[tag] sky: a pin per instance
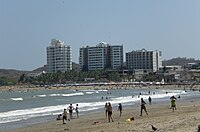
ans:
(27, 27)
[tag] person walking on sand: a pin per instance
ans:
(77, 110)
(71, 108)
(143, 107)
(173, 103)
(120, 109)
(106, 109)
(64, 116)
(110, 112)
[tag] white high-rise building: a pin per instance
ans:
(147, 61)
(59, 57)
(116, 56)
(101, 56)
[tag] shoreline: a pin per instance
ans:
(85, 123)
(185, 118)
(28, 88)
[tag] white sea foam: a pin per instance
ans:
(73, 94)
(89, 92)
(52, 95)
(17, 99)
(42, 95)
(102, 90)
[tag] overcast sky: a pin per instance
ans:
(27, 27)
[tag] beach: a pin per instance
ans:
(185, 119)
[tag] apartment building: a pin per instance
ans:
(101, 56)
(144, 61)
(59, 57)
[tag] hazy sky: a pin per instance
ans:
(27, 27)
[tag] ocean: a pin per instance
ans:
(22, 108)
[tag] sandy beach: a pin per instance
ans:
(185, 119)
(97, 87)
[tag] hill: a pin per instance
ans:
(180, 61)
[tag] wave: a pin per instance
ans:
(89, 92)
(65, 95)
(72, 94)
(42, 95)
(17, 99)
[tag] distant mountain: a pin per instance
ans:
(75, 67)
(11, 74)
(180, 61)
(15, 75)
(40, 69)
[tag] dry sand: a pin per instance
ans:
(185, 119)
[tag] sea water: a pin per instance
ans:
(21, 108)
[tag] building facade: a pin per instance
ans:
(59, 57)
(143, 60)
(101, 56)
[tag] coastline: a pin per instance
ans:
(159, 114)
(185, 118)
(99, 87)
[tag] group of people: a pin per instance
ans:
(69, 110)
(108, 109)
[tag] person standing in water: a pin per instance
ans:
(71, 108)
(77, 110)
(150, 100)
(143, 107)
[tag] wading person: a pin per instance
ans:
(77, 110)
(71, 108)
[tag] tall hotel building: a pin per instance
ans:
(59, 57)
(101, 56)
(147, 61)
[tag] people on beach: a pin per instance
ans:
(77, 111)
(64, 116)
(143, 107)
(106, 109)
(150, 100)
(173, 103)
(120, 109)
(70, 108)
(110, 112)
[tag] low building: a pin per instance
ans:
(143, 60)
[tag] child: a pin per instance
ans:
(64, 116)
